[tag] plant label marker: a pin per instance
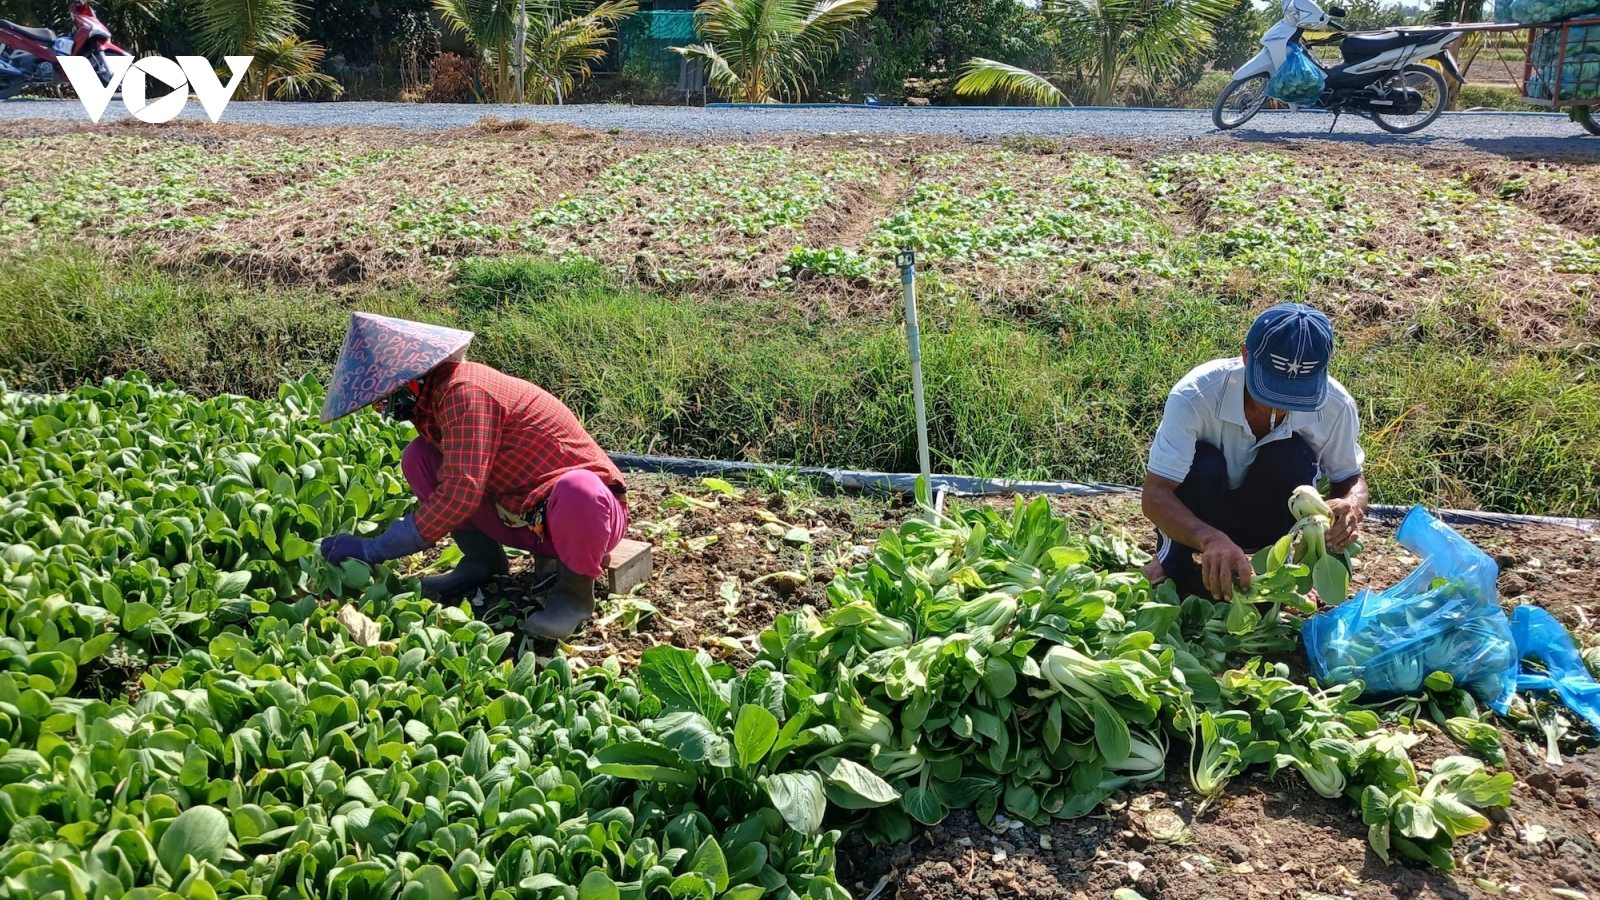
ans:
(908, 277)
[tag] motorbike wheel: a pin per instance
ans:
(1240, 102)
(1584, 115)
(1427, 81)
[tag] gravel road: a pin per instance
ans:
(1506, 133)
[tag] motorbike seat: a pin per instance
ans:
(1366, 46)
(42, 35)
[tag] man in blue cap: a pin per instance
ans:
(1237, 437)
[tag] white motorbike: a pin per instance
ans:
(1396, 78)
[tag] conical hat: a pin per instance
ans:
(381, 354)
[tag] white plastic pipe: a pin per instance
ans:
(908, 277)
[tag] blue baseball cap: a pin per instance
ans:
(1288, 349)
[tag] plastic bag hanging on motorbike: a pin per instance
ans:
(1299, 80)
(1443, 617)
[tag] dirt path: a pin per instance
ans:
(1516, 134)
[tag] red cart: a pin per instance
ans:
(1560, 66)
(1562, 69)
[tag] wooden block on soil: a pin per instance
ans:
(627, 566)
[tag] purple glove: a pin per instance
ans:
(402, 539)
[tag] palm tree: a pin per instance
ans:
(491, 27)
(756, 51)
(1103, 40)
(562, 48)
(284, 65)
(1449, 12)
(561, 39)
(233, 27)
(287, 69)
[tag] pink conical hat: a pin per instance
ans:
(381, 354)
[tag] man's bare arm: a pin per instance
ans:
(1221, 560)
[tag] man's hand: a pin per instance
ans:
(1346, 525)
(1220, 563)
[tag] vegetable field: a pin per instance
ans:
(194, 703)
(739, 300)
(814, 696)
(1461, 285)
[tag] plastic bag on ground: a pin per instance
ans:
(1540, 636)
(1299, 80)
(1443, 617)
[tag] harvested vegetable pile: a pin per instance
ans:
(192, 705)
(1009, 665)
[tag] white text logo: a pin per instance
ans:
(188, 73)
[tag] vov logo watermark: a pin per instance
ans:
(186, 74)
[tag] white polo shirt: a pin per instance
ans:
(1208, 405)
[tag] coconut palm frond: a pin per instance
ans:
(228, 27)
(760, 50)
(1102, 40)
(305, 84)
(985, 77)
(286, 69)
(563, 50)
(718, 72)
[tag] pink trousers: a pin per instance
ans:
(582, 518)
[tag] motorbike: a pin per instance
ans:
(1396, 77)
(28, 56)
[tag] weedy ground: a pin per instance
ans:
(740, 300)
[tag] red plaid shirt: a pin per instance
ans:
(503, 439)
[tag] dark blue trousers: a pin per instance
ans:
(1253, 515)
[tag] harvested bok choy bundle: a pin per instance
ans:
(1305, 548)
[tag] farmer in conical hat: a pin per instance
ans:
(498, 462)
(1238, 436)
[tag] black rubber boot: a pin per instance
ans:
(567, 605)
(482, 561)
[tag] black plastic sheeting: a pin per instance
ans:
(968, 486)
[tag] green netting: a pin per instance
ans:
(645, 42)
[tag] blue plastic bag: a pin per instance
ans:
(1299, 80)
(1540, 636)
(1443, 617)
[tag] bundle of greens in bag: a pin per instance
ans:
(1299, 80)
(1537, 11)
(1443, 617)
(1573, 72)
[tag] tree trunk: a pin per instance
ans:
(1110, 70)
